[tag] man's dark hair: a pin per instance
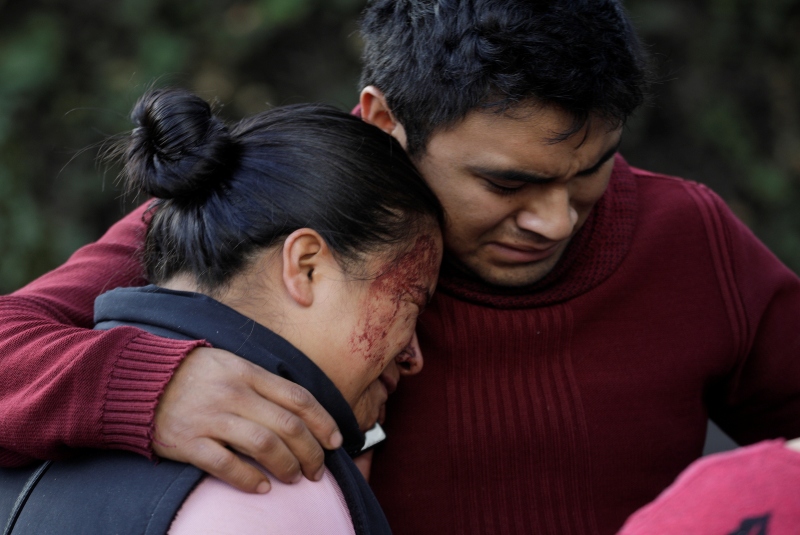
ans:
(225, 192)
(437, 60)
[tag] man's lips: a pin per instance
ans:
(521, 253)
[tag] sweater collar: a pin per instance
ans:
(591, 257)
(196, 316)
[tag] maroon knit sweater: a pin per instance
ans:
(559, 408)
(563, 408)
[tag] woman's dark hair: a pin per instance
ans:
(224, 193)
(438, 60)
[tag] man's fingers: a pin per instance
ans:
(220, 462)
(298, 401)
(275, 437)
(217, 399)
(274, 452)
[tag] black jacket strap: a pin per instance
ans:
(26, 491)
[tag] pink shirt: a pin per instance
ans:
(307, 507)
(748, 491)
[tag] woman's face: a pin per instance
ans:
(376, 317)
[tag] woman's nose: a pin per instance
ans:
(409, 362)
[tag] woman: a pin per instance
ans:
(301, 239)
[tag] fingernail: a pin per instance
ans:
(337, 439)
(319, 474)
(263, 487)
(297, 477)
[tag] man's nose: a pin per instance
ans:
(409, 362)
(549, 213)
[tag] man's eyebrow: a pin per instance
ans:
(512, 175)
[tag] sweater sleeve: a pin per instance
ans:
(64, 385)
(760, 397)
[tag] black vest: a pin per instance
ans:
(112, 492)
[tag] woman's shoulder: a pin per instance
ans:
(304, 507)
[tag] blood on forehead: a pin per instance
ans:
(410, 274)
(414, 269)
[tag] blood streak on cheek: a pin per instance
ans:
(410, 273)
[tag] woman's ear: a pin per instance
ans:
(304, 254)
(375, 111)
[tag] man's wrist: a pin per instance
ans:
(136, 383)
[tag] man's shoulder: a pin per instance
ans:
(651, 180)
(668, 194)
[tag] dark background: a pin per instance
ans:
(726, 110)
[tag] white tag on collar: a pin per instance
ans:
(373, 437)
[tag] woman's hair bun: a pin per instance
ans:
(178, 149)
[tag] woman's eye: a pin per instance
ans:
(418, 295)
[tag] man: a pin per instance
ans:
(589, 319)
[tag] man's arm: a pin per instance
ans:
(64, 386)
(760, 396)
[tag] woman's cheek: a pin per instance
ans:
(369, 341)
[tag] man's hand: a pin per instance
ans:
(216, 399)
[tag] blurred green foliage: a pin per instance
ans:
(71, 71)
(727, 109)
(725, 112)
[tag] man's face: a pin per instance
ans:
(512, 196)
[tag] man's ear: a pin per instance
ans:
(305, 255)
(375, 111)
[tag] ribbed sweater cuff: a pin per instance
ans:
(137, 381)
